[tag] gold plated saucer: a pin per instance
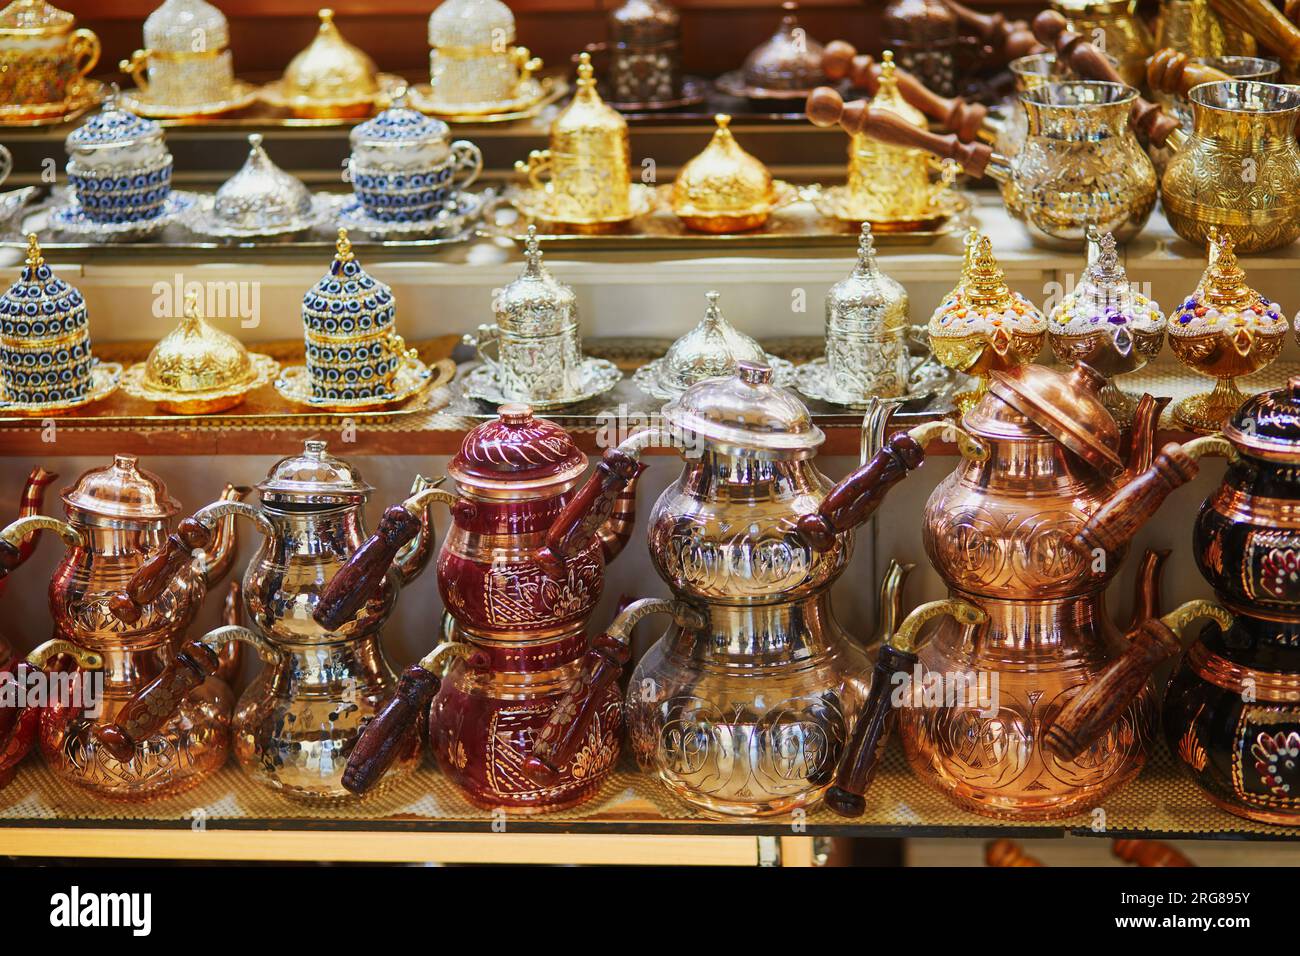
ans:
(82, 95)
(836, 202)
(413, 378)
(273, 95)
(242, 95)
(104, 380)
(535, 95)
(538, 204)
(264, 369)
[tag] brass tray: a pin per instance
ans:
(626, 407)
(795, 225)
(261, 408)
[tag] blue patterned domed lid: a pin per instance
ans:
(348, 301)
(112, 127)
(399, 125)
(40, 304)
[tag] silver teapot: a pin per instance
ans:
(296, 724)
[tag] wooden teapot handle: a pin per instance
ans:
(871, 732)
(1091, 63)
(388, 732)
(825, 107)
(362, 575)
(154, 576)
(955, 114)
(1169, 71)
(1114, 524)
(155, 703)
(587, 511)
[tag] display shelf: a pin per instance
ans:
(633, 819)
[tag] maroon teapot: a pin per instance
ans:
(518, 616)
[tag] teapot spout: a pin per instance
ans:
(889, 607)
(1142, 433)
(29, 504)
(615, 533)
(1146, 597)
(414, 556)
(225, 539)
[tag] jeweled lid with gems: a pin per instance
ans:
(179, 26)
(535, 303)
(747, 413)
(867, 300)
(347, 301)
(399, 125)
(982, 303)
(261, 194)
(1223, 302)
(28, 16)
(471, 24)
(1104, 299)
(515, 449)
(713, 348)
(112, 128)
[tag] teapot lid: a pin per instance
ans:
(313, 477)
(121, 490)
(330, 68)
(644, 21)
(1267, 425)
(747, 412)
(1067, 406)
(517, 451)
(35, 17)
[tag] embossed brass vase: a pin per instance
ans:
(44, 62)
(1238, 171)
(743, 706)
(982, 325)
(119, 519)
(1224, 329)
(517, 638)
(297, 723)
(1232, 707)
(998, 530)
(1108, 324)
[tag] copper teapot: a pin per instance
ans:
(519, 617)
(744, 704)
(119, 520)
(998, 530)
(1232, 707)
(297, 722)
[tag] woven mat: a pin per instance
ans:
(1161, 802)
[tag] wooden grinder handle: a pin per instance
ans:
(1175, 73)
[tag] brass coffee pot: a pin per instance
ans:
(998, 531)
(743, 707)
(119, 521)
(297, 723)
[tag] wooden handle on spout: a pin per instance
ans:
(587, 511)
(861, 756)
(361, 577)
(825, 107)
(1114, 524)
(856, 498)
(955, 114)
(562, 735)
(153, 577)
(1008, 39)
(1169, 71)
(1087, 61)
(1093, 711)
(155, 703)
(389, 732)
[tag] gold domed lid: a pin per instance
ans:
(330, 69)
(889, 98)
(121, 490)
(787, 61)
(713, 348)
(34, 18)
(196, 357)
(723, 180)
(588, 114)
